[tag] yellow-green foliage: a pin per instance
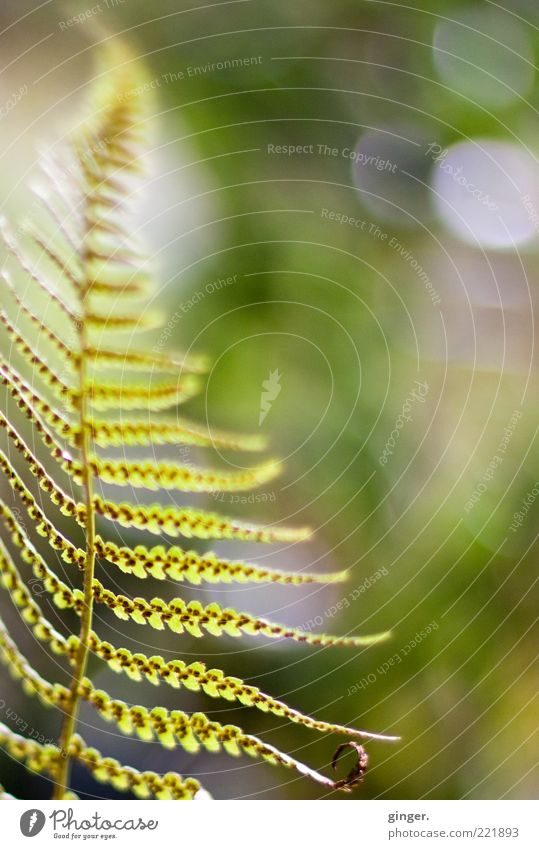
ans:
(96, 268)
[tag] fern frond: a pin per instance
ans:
(62, 184)
(32, 682)
(101, 249)
(156, 519)
(143, 361)
(176, 521)
(172, 563)
(57, 541)
(143, 783)
(153, 397)
(39, 364)
(173, 521)
(46, 482)
(62, 349)
(32, 273)
(59, 218)
(106, 433)
(170, 728)
(30, 610)
(112, 228)
(169, 475)
(38, 758)
(216, 684)
(147, 474)
(177, 614)
(6, 797)
(128, 323)
(176, 564)
(63, 595)
(35, 407)
(176, 673)
(97, 264)
(138, 288)
(52, 253)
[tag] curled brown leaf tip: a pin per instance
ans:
(355, 776)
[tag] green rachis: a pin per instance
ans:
(98, 275)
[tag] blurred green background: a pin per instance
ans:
(394, 247)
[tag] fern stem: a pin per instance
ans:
(81, 660)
